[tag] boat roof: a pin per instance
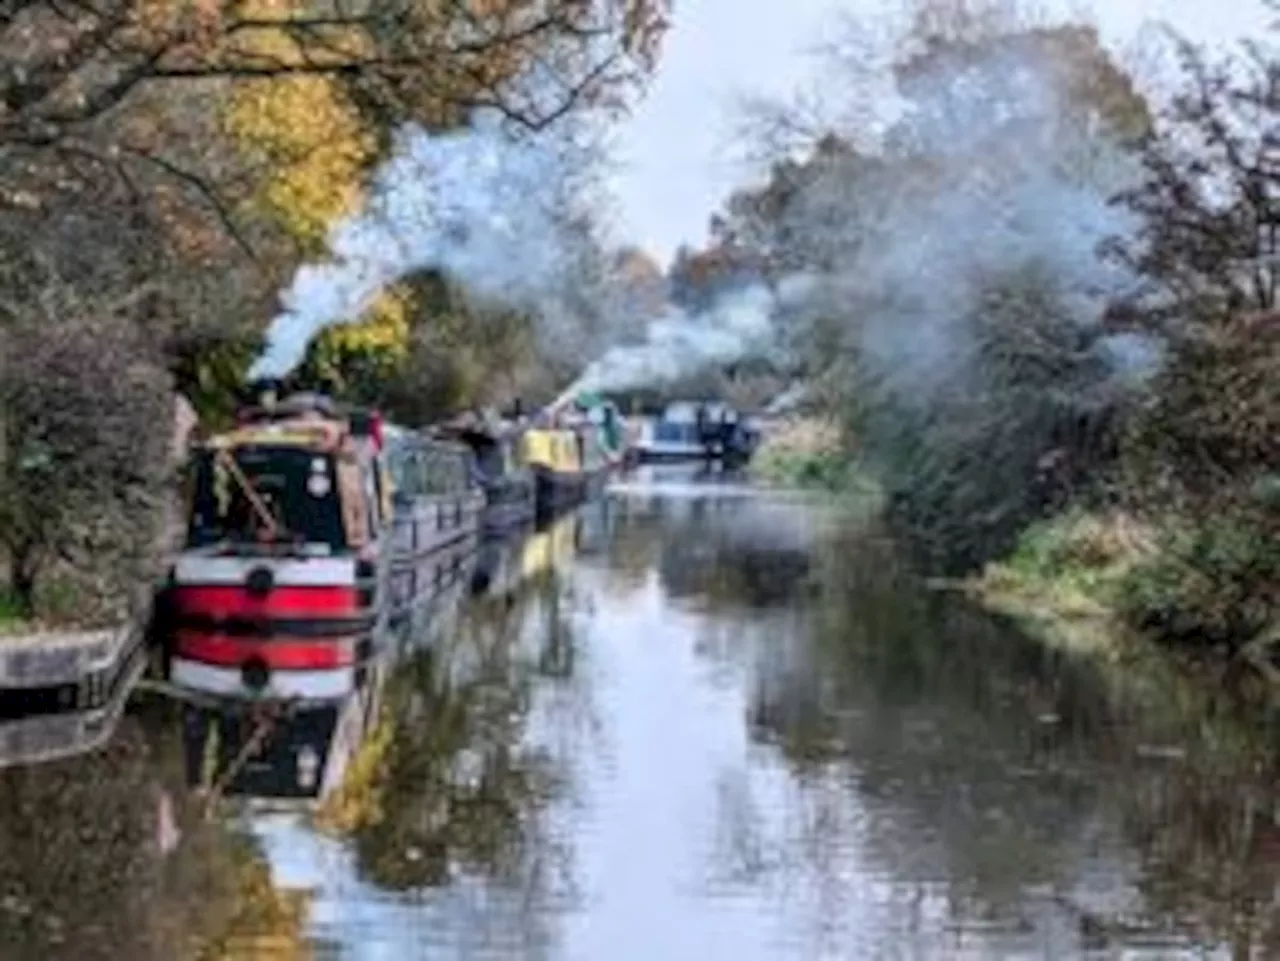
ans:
(319, 434)
(687, 410)
(305, 420)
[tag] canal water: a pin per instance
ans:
(691, 721)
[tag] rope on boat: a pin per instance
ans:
(228, 462)
(265, 723)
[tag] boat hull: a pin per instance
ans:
(305, 629)
(558, 490)
(509, 503)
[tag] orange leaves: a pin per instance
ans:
(187, 27)
(195, 237)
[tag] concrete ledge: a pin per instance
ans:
(51, 658)
(50, 737)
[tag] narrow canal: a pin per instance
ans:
(687, 722)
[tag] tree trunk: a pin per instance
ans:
(6, 562)
(22, 581)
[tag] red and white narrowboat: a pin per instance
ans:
(299, 553)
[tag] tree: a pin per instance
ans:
(957, 294)
(405, 57)
(1210, 200)
(1202, 452)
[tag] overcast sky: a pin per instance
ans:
(676, 152)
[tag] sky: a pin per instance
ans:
(676, 154)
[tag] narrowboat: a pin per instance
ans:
(299, 554)
(510, 491)
(438, 502)
(698, 431)
(554, 456)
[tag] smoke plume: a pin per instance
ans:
(739, 325)
(991, 182)
(475, 204)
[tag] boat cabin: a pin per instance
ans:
(297, 476)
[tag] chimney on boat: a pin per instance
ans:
(262, 398)
(268, 394)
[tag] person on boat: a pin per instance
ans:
(703, 425)
(725, 432)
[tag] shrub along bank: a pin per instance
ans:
(1075, 415)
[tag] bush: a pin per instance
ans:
(1204, 451)
(1080, 546)
(89, 423)
(802, 453)
(1216, 583)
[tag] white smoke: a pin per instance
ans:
(741, 324)
(474, 204)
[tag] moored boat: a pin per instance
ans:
(510, 489)
(554, 455)
(300, 552)
(438, 501)
(697, 431)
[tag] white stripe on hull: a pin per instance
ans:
(303, 572)
(309, 685)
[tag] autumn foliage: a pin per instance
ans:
(166, 164)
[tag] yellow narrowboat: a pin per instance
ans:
(555, 457)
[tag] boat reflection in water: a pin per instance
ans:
(502, 567)
(288, 754)
(273, 753)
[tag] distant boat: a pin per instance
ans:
(691, 430)
(573, 450)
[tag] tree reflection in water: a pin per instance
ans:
(1015, 788)
(462, 789)
(90, 868)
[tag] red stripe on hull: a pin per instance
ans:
(283, 655)
(279, 603)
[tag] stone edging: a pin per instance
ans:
(52, 658)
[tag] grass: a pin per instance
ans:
(1067, 578)
(805, 453)
(12, 620)
(1089, 581)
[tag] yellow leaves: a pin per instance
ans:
(285, 33)
(376, 341)
(358, 802)
(304, 129)
(384, 327)
(313, 146)
(269, 924)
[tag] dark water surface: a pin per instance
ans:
(687, 723)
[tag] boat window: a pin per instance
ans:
(296, 487)
(446, 470)
(405, 464)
